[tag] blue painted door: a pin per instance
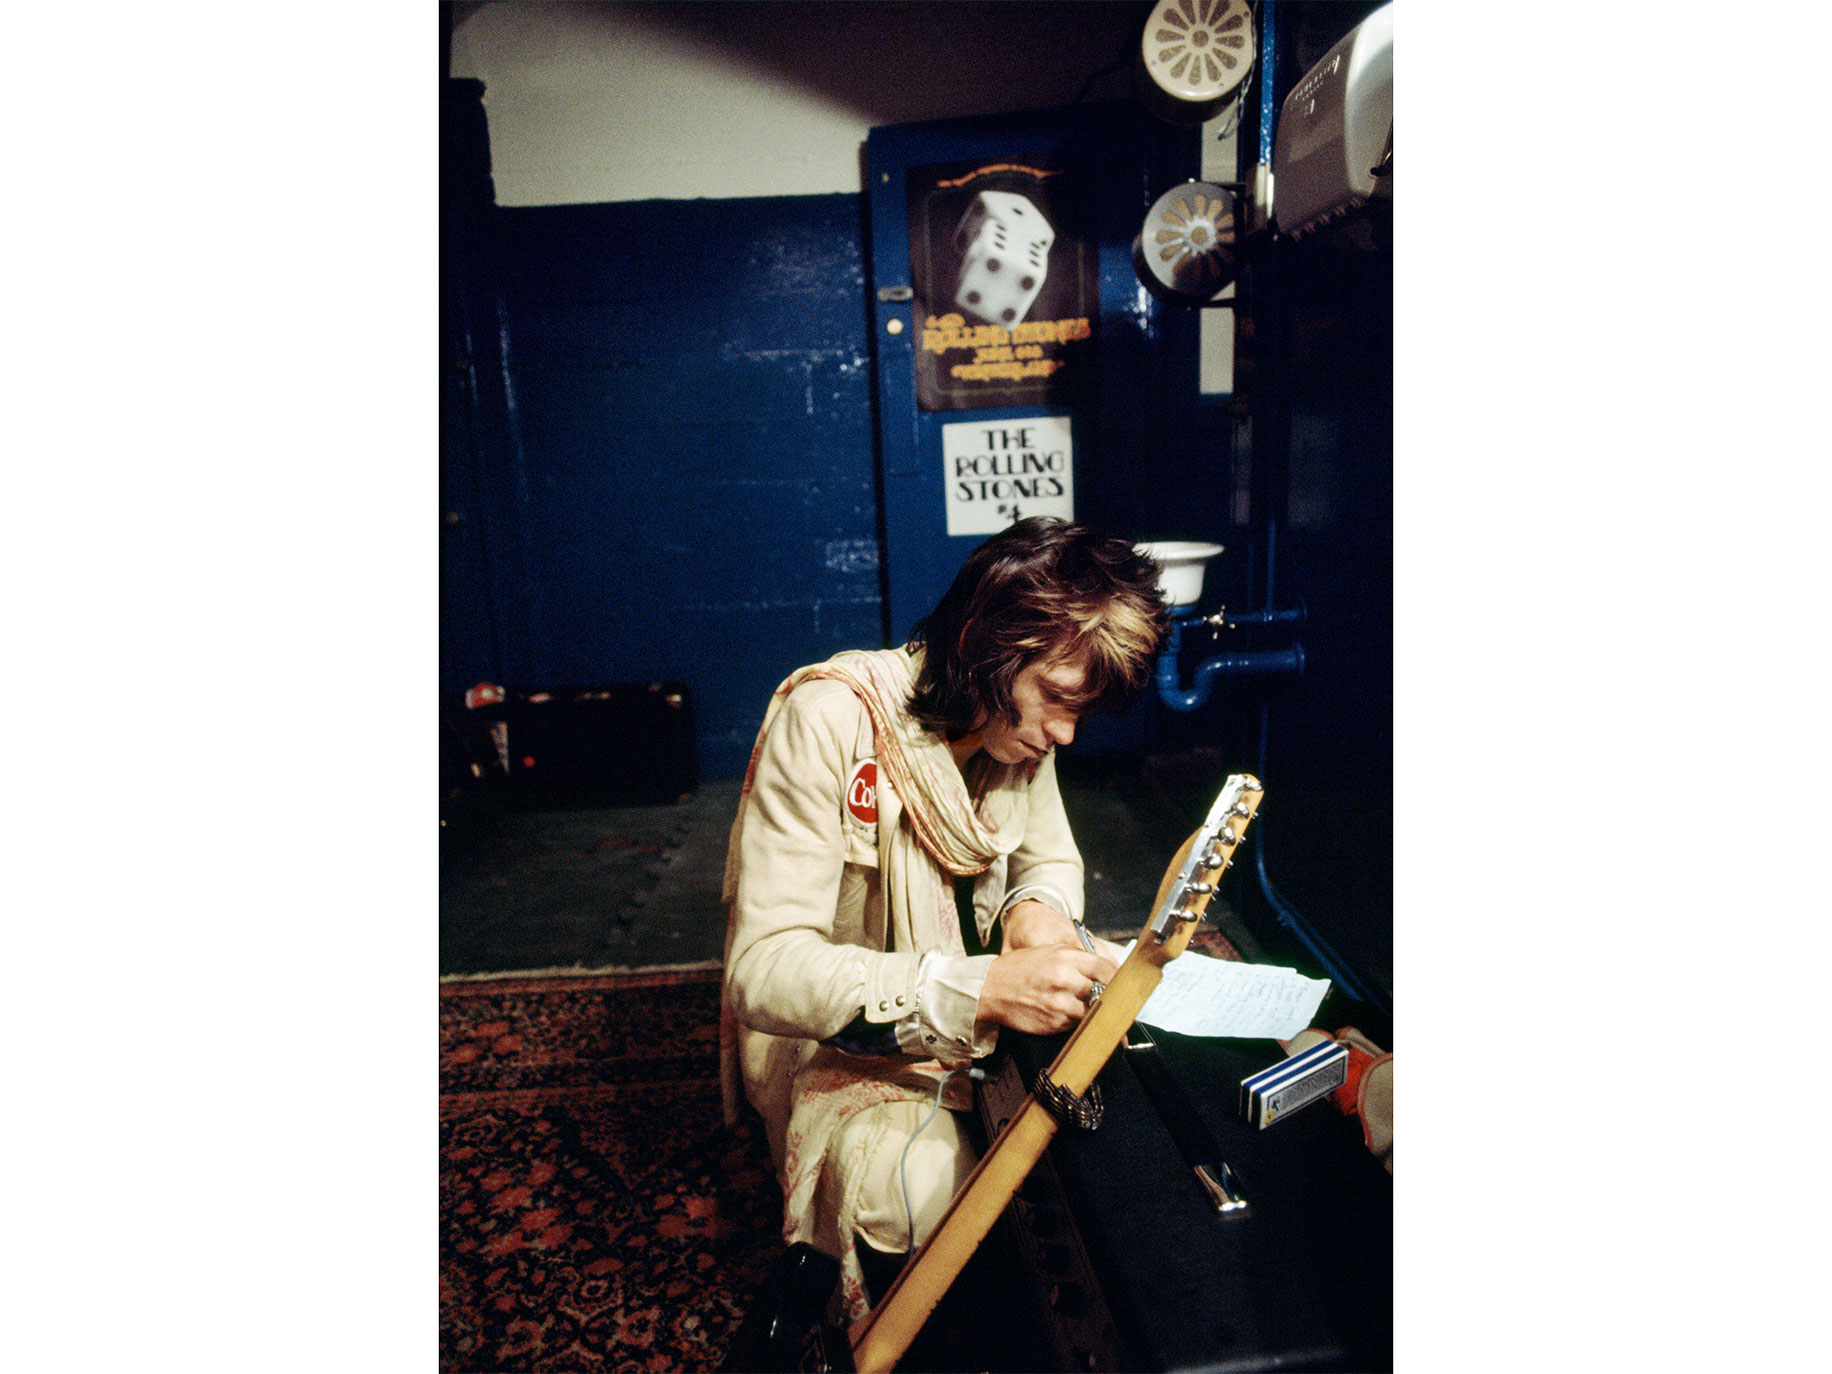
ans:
(1133, 388)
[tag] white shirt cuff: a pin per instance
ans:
(944, 1024)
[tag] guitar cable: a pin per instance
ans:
(978, 1075)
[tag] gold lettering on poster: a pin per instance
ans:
(998, 352)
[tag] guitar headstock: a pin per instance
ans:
(1196, 870)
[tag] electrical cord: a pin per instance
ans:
(978, 1075)
(1240, 96)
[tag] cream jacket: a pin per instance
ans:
(808, 949)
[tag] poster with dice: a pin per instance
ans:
(1006, 287)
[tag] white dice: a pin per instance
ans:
(1006, 242)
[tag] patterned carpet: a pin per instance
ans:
(595, 1214)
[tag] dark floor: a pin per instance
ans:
(638, 886)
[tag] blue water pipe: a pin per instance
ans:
(1264, 661)
(1332, 964)
(1233, 619)
(1329, 962)
(1252, 663)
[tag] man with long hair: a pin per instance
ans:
(903, 882)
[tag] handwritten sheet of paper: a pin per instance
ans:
(1204, 996)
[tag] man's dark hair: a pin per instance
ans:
(1044, 590)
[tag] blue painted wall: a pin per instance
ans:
(666, 467)
(678, 483)
(694, 423)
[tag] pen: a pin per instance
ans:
(1087, 943)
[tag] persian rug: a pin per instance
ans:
(594, 1212)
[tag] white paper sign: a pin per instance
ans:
(998, 471)
(1205, 996)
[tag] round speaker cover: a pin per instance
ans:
(1187, 250)
(1195, 54)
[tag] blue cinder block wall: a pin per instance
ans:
(693, 410)
(667, 468)
(670, 459)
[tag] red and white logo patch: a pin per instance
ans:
(862, 793)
